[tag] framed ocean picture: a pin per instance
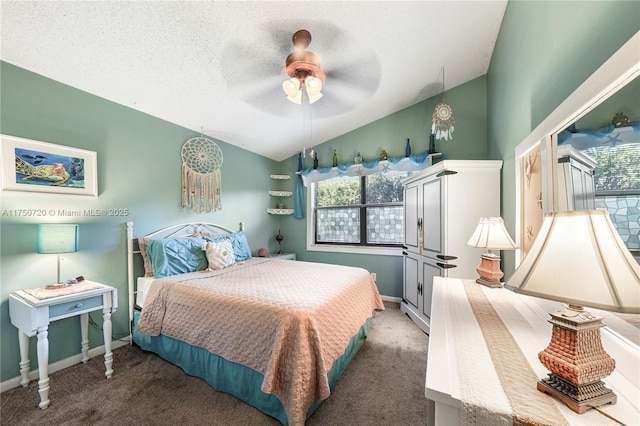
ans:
(35, 166)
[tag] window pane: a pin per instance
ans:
(385, 187)
(385, 225)
(338, 225)
(342, 191)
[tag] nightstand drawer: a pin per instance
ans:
(69, 308)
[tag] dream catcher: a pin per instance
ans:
(201, 178)
(442, 127)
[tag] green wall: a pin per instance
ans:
(544, 51)
(138, 169)
(468, 102)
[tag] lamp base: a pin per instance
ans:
(489, 271)
(577, 397)
(493, 283)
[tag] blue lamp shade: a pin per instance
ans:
(57, 238)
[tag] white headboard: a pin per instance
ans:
(182, 230)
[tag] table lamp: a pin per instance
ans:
(579, 258)
(492, 235)
(57, 239)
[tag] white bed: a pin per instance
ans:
(277, 334)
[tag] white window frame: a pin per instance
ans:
(339, 248)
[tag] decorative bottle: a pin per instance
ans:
(335, 158)
(299, 161)
(358, 159)
(432, 144)
(315, 161)
(407, 150)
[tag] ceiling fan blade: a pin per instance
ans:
(242, 64)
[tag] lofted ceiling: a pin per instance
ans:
(218, 67)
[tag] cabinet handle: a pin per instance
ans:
(79, 305)
(404, 253)
(420, 223)
(446, 265)
(404, 247)
(446, 257)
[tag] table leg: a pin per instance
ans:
(43, 366)
(23, 341)
(84, 331)
(108, 355)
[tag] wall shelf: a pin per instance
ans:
(281, 208)
(280, 211)
(281, 193)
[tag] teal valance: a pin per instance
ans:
(605, 136)
(412, 163)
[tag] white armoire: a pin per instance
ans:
(442, 207)
(576, 182)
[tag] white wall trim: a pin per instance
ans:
(62, 364)
(391, 299)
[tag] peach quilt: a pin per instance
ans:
(288, 320)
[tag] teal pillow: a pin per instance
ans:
(176, 256)
(240, 246)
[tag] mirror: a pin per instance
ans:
(541, 180)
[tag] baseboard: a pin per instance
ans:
(391, 299)
(62, 364)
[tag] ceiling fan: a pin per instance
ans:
(257, 62)
(303, 66)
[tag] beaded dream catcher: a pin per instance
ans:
(201, 178)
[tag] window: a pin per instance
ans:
(618, 168)
(359, 210)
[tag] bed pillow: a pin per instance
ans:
(142, 246)
(239, 243)
(219, 254)
(176, 256)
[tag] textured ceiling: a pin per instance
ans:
(218, 67)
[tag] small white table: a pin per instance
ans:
(32, 315)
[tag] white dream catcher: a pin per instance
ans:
(201, 178)
(442, 127)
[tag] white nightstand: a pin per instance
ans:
(32, 310)
(283, 256)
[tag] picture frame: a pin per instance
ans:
(35, 166)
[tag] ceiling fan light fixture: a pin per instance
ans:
(291, 87)
(313, 86)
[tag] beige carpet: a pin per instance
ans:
(383, 385)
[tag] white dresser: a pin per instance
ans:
(465, 374)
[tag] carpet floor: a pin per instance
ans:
(383, 385)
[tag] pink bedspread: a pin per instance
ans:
(288, 320)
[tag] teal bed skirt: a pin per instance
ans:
(225, 376)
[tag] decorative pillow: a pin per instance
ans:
(239, 243)
(219, 255)
(142, 245)
(176, 256)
